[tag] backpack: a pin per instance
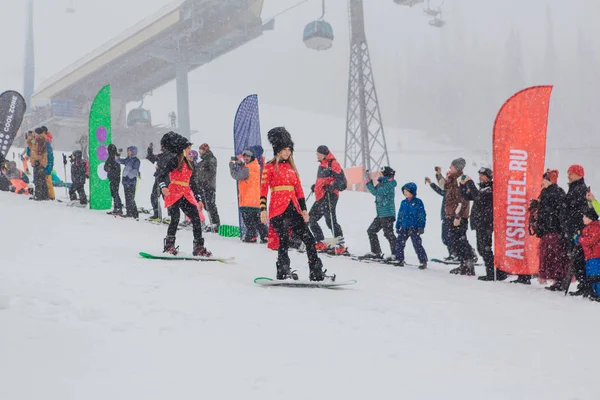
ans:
(341, 183)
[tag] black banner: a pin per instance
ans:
(12, 109)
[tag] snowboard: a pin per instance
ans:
(438, 260)
(264, 281)
(228, 260)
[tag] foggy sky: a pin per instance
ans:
(412, 61)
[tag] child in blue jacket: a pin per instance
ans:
(411, 223)
(131, 170)
(385, 204)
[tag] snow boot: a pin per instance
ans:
(169, 246)
(321, 246)
(200, 250)
(284, 271)
(249, 240)
(423, 266)
(523, 279)
(317, 273)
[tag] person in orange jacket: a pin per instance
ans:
(247, 174)
(287, 206)
(179, 186)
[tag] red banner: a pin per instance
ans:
(519, 156)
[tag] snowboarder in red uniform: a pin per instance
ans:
(180, 191)
(287, 207)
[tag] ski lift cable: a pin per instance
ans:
(323, 14)
(288, 9)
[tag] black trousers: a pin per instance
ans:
(485, 249)
(39, 180)
(458, 235)
(578, 264)
(325, 207)
(114, 192)
(78, 188)
(154, 197)
(209, 202)
(379, 223)
(191, 211)
(254, 228)
(446, 239)
(132, 210)
(291, 219)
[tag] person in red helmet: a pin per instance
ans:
(179, 186)
(287, 207)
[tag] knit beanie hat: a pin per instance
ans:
(577, 170)
(591, 213)
(486, 172)
(459, 164)
(322, 149)
(551, 175)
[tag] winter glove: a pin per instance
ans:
(48, 170)
(576, 238)
(312, 188)
(198, 198)
(328, 188)
(421, 231)
(367, 175)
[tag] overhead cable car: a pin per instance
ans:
(318, 35)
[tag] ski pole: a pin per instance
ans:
(65, 168)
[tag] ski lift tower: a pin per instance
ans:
(365, 138)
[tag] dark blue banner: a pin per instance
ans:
(12, 109)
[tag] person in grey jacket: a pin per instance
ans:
(207, 179)
(131, 170)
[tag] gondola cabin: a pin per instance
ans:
(139, 117)
(318, 35)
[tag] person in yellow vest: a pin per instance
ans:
(246, 172)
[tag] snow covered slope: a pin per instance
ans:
(89, 319)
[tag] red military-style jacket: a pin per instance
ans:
(285, 187)
(179, 186)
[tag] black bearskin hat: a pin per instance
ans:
(280, 138)
(174, 142)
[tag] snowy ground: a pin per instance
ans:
(89, 319)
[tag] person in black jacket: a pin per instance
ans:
(571, 213)
(207, 179)
(482, 219)
(554, 262)
(78, 177)
(113, 172)
(154, 158)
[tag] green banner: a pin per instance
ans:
(100, 136)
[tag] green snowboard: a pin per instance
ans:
(264, 281)
(229, 260)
